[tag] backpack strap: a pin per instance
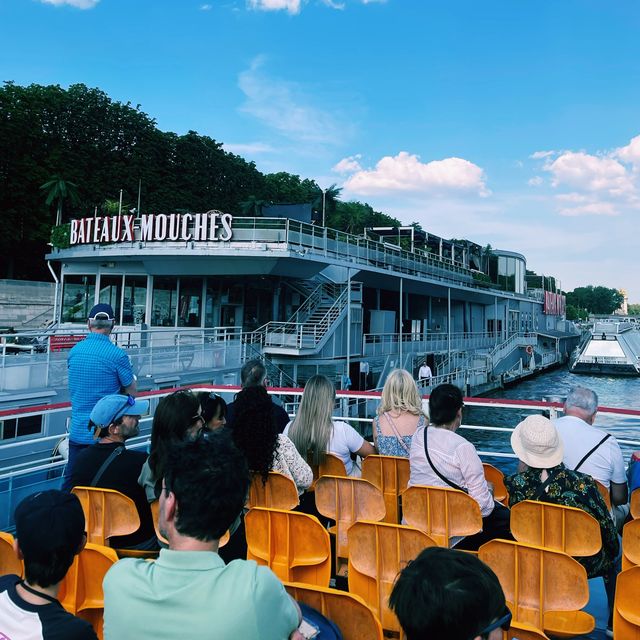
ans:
(104, 466)
(591, 452)
(443, 478)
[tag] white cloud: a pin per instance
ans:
(290, 6)
(350, 164)
(536, 181)
(78, 4)
(591, 209)
(405, 173)
(206, 7)
(248, 148)
(333, 4)
(630, 153)
(283, 106)
(537, 155)
(591, 173)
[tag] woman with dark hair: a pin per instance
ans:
(177, 418)
(441, 458)
(214, 410)
(255, 433)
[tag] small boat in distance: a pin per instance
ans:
(612, 348)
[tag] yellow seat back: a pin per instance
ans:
(554, 526)
(352, 616)
(9, 561)
(635, 503)
(377, 553)
(626, 610)
(107, 513)
(496, 477)
(441, 512)
(391, 475)
(347, 500)
(295, 546)
(544, 589)
(631, 545)
(278, 492)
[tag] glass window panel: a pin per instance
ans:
(211, 299)
(111, 293)
(164, 302)
(190, 309)
(135, 300)
(77, 297)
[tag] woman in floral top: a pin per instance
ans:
(542, 476)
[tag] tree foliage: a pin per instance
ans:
(597, 300)
(80, 136)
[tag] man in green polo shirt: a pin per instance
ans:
(189, 592)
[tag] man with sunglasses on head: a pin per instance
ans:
(109, 465)
(97, 368)
(450, 594)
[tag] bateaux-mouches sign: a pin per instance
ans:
(153, 227)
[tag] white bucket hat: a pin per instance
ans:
(537, 443)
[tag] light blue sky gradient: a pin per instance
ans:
(514, 123)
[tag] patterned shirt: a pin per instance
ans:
(287, 460)
(571, 489)
(389, 445)
(97, 368)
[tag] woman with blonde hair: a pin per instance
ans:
(315, 432)
(399, 415)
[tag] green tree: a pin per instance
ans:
(598, 300)
(252, 206)
(57, 190)
(634, 309)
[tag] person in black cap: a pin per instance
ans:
(49, 534)
(97, 368)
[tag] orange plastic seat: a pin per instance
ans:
(279, 492)
(295, 546)
(377, 553)
(442, 513)
(331, 466)
(626, 610)
(81, 590)
(604, 492)
(635, 504)
(496, 477)
(631, 545)
(544, 589)
(391, 475)
(352, 616)
(554, 526)
(9, 561)
(107, 513)
(347, 500)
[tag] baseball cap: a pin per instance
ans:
(49, 521)
(103, 310)
(114, 406)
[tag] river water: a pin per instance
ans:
(612, 392)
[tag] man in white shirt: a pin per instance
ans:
(593, 451)
(424, 374)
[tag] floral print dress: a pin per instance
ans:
(571, 489)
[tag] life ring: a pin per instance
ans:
(529, 349)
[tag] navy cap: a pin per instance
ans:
(114, 406)
(47, 522)
(103, 310)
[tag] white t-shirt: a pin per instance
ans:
(605, 464)
(344, 441)
(425, 372)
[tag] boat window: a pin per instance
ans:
(23, 426)
(134, 302)
(211, 299)
(111, 293)
(190, 310)
(164, 302)
(77, 297)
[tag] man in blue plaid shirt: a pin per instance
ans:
(97, 368)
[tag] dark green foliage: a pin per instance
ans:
(69, 151)
(597, 300)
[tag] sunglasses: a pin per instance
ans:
(129, 401)
(502, 623)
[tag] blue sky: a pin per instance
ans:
(509, 122)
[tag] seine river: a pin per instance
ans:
(612, 392)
